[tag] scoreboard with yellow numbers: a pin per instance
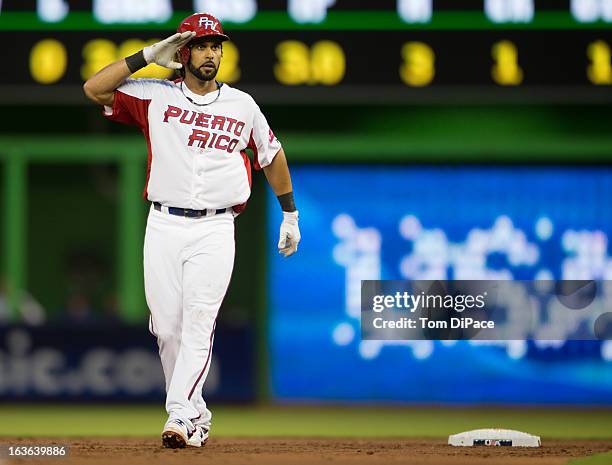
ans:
(320, 51)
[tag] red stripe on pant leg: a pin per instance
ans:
(212, 334)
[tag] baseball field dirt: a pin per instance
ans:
(273, 451)
(269, 435)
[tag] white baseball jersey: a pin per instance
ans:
(197, 155)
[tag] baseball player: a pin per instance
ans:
(198, 180)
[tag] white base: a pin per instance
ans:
(494, 437)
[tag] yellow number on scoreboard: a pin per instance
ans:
(418, 64)
(600, 67)
(293, 65)
(324, 63)
(230, 70)
(97, 54)
(48, 61)
(327, 63)
(506, 70)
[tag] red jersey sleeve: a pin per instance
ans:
(263, 142)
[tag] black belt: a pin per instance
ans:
(188, 212)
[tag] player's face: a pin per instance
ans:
(205, 59)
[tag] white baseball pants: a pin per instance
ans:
(187, 268)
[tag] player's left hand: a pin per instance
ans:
(289, 234)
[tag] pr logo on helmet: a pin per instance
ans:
(208, 23)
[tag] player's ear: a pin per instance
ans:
(181, 71)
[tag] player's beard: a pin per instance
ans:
(203, 75)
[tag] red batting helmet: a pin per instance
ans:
(204, 25)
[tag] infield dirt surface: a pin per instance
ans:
(273, 451)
